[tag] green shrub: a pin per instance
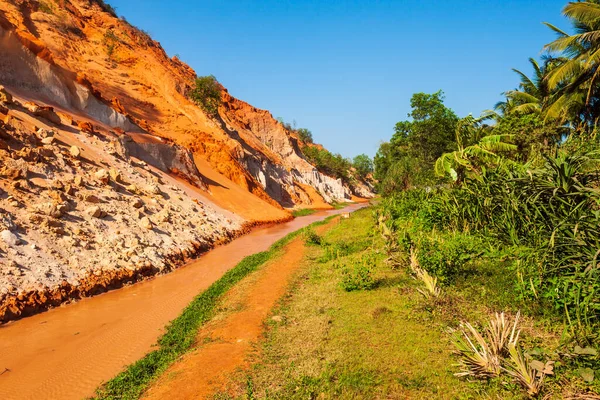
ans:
(328, 163)
(359, 276)
(207, 94)
(445, 256)
(311, 237)
(305, 135)
(303, 212)
(45, 7)
(110, 42)
(107, 7)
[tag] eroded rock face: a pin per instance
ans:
(244, 143)
(98, 190)
(64, 220)
(164, 156)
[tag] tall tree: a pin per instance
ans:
(533, 95)
(363, 165)
(577, 78)
(431, 131)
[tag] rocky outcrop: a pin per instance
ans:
(74, 223)
(149, 89)
(167, 157)
(34, 77)
(268, 143)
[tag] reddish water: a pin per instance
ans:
(67, 352)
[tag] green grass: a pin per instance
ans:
(303, 212)
(339, 205)
(383, 342)
(181, 333)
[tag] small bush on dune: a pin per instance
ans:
(106, 7)
(207, 94)
(45, 7)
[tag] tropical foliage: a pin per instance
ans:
(518, 188)
(331, 164)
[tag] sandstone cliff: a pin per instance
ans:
(108, 172)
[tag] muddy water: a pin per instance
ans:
(67, 352)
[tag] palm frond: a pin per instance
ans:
(585, 13)
(564, 72)
(556, 30)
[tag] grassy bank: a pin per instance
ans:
(181, 332)
(354, 327)
(303, 212)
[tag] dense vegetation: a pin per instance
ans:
(106, 7)
(207, 94)
(328, 163)
(518, 187)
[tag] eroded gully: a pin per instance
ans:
(69, 351)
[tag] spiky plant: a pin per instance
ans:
(501, 333)
(430, 281)
(478, 359)
(481, 354)
(521, 370)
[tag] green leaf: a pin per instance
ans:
(587, 374)
(587, 351)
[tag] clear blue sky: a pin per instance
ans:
(347, 69)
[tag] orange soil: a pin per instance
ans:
(202, 372)
(357, 199)
(317, 201)
(236, 199)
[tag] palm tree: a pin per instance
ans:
(576, 77)
(476, 147)
(533, 95)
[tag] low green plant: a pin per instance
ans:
(359, 275)
(106, 7)
(334, 251)
(45, 7)
(303, 212)
(311, 237)
(111, 42)
(446, 255)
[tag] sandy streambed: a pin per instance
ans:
(67, 352)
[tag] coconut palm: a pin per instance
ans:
(533, 95)
(476, 147)
(576, 78)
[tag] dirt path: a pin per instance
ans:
(229, 340)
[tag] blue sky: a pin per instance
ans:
(346, 69)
